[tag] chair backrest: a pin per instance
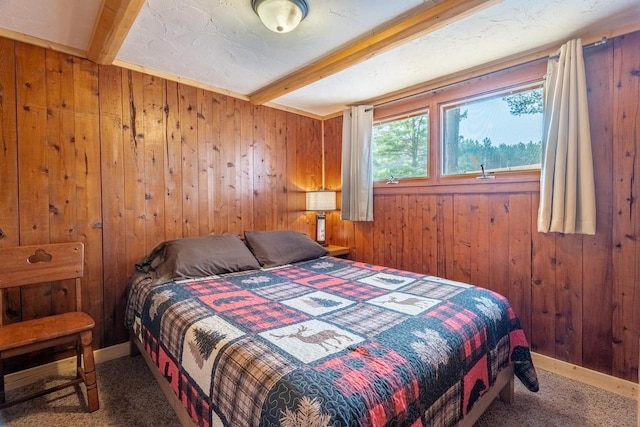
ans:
(30, 265)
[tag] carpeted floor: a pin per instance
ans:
(129, 396)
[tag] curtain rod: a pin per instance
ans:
(603, 41)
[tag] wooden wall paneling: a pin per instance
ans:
(461, 238)
(632, 59)
(281, 170)
(154, 101)
(569, 298)
(309, 174)
(88, 187)
(89, 214)
(569, 280)
(219, 112)
(411, 232)
(393, 250)
(378, 231)
(61, 142)
(234, 167)
(116, 269)
(9, 215)
(445, 235)
(498, 242)
(189, 140)
(294, 209)
(395, 227)
(543, 286)
(260, 166)
(226, 134)
(519, 261)
(63, 225)
(626, 120)
(403, 258)
(236, 216)
(246, 190)
(387, 209)
(597, 249)
(173, 218)
(59, 81)
(313, 129)
(342, 232)
(206, 178)
(480, 241)
(271, 172)
(386, 222)
(363, 241)
(299, 218)
(229, 136)
(333, 155)
(429, 226)
(33, 166)
(86, 88)
(218, 194)
(133, 155)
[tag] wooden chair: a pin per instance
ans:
(28, 265)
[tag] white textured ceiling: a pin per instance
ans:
(222, 43)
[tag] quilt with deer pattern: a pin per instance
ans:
(327, 342)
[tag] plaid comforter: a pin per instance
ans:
(327, 342)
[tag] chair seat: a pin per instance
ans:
(43, 329)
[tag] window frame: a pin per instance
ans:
(471, 99)
(405, 116)
(449, 92)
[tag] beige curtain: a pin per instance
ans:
(357, 176)
(567, 193)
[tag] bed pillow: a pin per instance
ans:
(274, 248)
(200, 256)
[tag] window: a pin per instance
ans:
(401, 147)
(500, 132)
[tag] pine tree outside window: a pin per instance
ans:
(499, 132)
(401, 147)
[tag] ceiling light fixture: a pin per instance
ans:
(280, 16)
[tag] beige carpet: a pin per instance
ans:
(129, 396)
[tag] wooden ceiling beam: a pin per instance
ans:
(417, 24)
(112, 26)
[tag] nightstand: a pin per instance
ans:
(338, 251)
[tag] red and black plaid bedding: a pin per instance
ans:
(328, 342)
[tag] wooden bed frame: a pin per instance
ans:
(504, 388)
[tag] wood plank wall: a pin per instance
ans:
(578, 296)
(121, 161)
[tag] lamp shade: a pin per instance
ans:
(321, 200)
(280, 16)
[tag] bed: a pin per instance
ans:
(271, 331)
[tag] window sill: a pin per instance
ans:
(502, 183)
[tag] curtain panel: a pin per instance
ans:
(357, 175)
(567, 190)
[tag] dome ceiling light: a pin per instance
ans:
(280, 16)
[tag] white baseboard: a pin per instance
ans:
(586, 376)
(61, 367)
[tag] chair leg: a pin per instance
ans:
(2, 397)
(86, 339)
(78, 359)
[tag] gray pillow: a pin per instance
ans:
(274, 248)
(199, 257)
